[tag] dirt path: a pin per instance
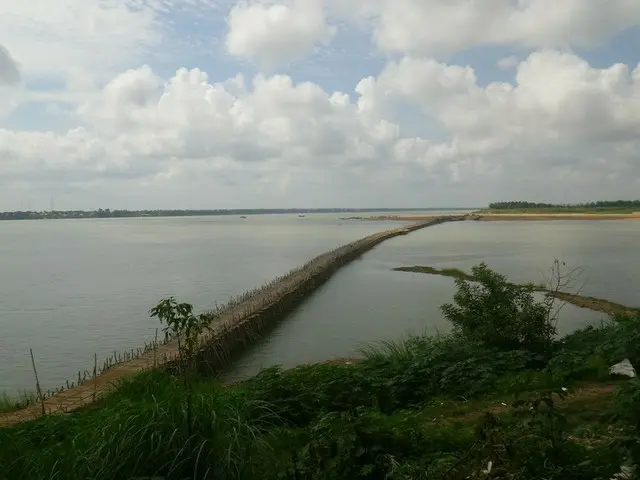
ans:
(88, 392)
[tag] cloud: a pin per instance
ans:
(562, 125)
(560, 114)
(141, 128)
(9, 70)
(508, 63)
(433, 27)
(55, 39)
(272, 34)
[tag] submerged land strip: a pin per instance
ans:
(233, 328)
(582, 301)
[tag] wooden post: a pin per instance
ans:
(35, 372)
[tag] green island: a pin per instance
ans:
(603, 207)
(499, 397)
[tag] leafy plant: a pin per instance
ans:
(628, 409)
(361, 444)
(499, 313)
(181, 323)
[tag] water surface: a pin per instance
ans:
(367, 301)
(72, 288)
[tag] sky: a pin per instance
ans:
(317, 103)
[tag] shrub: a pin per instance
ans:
(498, 313)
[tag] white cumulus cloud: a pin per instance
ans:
(560, 112)
(561, 124)
(442, 26)
(273, 33)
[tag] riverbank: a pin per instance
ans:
(556, 216)
(482, 216)
(233, 328)
(441, 408)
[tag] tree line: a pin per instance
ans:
(108, 213)
(602, 204)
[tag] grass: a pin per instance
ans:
(582, 301)
(424, 407)
(10, 403)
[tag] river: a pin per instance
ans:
(72, 288)
(367, 301)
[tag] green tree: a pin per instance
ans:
(181, 324)
(498, 313)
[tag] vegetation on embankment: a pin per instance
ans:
(483, 402)
(615, 206)
(9, 403)
(582, 301)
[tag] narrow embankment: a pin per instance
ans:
(234, 328)
(582, 301)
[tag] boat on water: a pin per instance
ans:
(243, 216)
(302, 215)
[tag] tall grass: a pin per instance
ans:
(21, 399)
(402, 350)
(259, 429)
(140, 430)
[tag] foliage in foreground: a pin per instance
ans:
(410, 410)
(453, 407)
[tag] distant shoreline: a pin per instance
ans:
(107, 213)
(557, 216)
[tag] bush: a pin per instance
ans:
(501, 314)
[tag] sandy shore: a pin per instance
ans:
(521, 216)
(558, 216)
